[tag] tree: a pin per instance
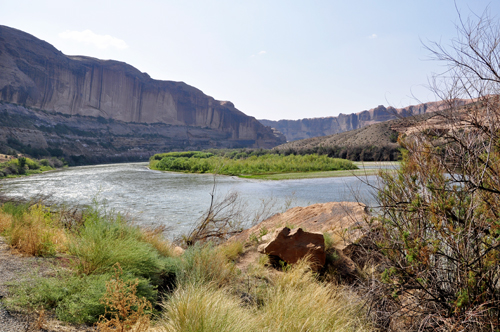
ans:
(440, 213)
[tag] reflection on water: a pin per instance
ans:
(176, 200)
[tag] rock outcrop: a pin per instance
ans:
(340, 219)
(315, 127)
(294, 245)
(35, 74)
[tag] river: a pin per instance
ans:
(177, 200)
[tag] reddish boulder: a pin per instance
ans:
(292, 245)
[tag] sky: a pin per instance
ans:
(274, 59)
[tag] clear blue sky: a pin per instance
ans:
(274, 59)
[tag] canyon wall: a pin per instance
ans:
(35, 74)
(315, 127)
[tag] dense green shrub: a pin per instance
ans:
(107, 239)
(262, 164)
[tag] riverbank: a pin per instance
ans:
(208, 288)
(14, 167)
(367, 168)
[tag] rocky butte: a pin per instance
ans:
(38, 77)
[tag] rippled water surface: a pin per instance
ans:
(177, 200)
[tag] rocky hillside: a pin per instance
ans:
(35, 75)
(314, 127)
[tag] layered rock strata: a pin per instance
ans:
(35, 74)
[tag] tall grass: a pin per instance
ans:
(299, 302)
(295, 301)
(202, 264)
(205, 308)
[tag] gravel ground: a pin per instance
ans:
(14, 267)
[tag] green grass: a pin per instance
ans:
(105, 240)
(91, 248)
(311, 175)
(254, 165)
(75, 299)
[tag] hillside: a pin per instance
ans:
(38, 77)
(315, 127)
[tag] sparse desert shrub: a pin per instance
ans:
(439, 227)
(124, 310)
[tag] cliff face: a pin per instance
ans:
(33, 73)
(86, 139)
(315, 127)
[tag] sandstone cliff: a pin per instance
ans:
(86, 139)
(35, 74)
(315, 127)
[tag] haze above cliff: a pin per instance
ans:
(35, 74)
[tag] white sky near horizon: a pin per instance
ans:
(274, 59)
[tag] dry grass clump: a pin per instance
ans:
(155, 237)
(204, 264)
(204, 308)
(34, 232)
(232, 250)
(294, 301)
(5, 221)
(299, 302)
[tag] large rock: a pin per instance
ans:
(33, 73)
(293, 245)
(342, 220)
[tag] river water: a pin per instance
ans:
(178, 200)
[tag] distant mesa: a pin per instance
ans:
(34, 74)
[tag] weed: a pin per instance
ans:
(124, 309)
(34, 231)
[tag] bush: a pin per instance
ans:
(76, 299)
(124, 310)
(105, 240)
(440, 223)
